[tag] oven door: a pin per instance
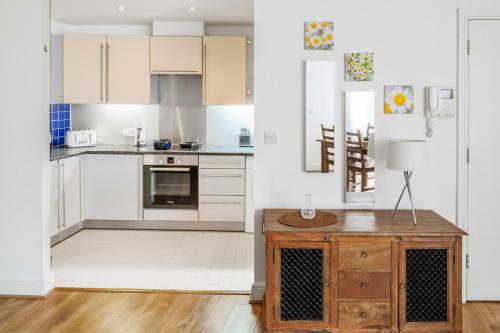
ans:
(171, 187)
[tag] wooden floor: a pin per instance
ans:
(77, 311)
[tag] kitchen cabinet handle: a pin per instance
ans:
(102, 72)
(63, 199)
(222, 203)
(56, 170)
(107, 72)
(174, 71)
(139, 182)
(220, 176)
(169, 169)
(204, 73)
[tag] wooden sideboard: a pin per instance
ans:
(366, 273)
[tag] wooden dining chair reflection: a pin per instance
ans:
(327, 148)
(370, 129)
(357, 162)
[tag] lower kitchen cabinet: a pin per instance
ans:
(66, 190)
(114, 187)
(222, 208)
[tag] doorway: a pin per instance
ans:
(478, 157)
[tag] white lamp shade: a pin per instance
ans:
(407, 155)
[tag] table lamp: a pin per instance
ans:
(407, 156)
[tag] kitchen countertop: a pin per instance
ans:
(64, 152)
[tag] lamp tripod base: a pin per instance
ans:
(407, 175)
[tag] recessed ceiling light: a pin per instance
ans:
(192, 8)
(120, 8)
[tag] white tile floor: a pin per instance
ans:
(166, 260)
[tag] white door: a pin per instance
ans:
(484, 180)
(114, 187)
(70, 168)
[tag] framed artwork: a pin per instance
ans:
(359, 66)
(318, 35)
(398, 99)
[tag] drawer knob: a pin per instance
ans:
(364, 284)
(363, 315)
(402, 286)
(364, 254)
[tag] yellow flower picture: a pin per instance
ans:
(399, 99)
(359, 66)
(318, 35)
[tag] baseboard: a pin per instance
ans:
(258, 291)
(28, 289)
(152, 291)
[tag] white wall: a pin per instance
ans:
(224, 123)
(24, 147)
(109, 120)
(415, 42)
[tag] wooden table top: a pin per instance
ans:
(370, 222)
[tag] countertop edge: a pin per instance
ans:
(64, 155)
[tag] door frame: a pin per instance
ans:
(464, 16)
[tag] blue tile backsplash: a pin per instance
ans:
(60, 122)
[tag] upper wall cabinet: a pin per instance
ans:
(176, 55)
(84, 67)
(224, 70)
(128, 75)
(106, 69)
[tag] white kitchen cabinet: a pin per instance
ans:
(222, 162)
(84, 69)
(222, 182)
(54, 216)
(65, 194)
(127, 75)
(71, 194)
(176, 55)
(222, 208)
(114, 187)
(224, 70)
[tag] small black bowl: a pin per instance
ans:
(162, 144)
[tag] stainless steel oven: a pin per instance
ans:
(170, 181)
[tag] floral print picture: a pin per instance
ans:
(398, 99)
(359, 66)
(318, 35)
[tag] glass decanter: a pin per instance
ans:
(308, 212)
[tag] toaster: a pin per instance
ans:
(80, 138)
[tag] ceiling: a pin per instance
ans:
(146, 11)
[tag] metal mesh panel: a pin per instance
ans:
(301, 284)
(426, 285)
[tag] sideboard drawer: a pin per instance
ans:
(364, 255)
(364, 285)
(363, 315)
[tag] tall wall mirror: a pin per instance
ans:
(360, 147)
(320, 109)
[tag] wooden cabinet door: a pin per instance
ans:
(128, 74)
(114, 187)
(71, 200)
(426, 297)
(301, 285)
(224, 70)
(84, 62)
(176, 55)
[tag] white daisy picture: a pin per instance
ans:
(398, 99)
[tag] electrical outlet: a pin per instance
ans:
(270, 138)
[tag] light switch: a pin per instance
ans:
(270, 138)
